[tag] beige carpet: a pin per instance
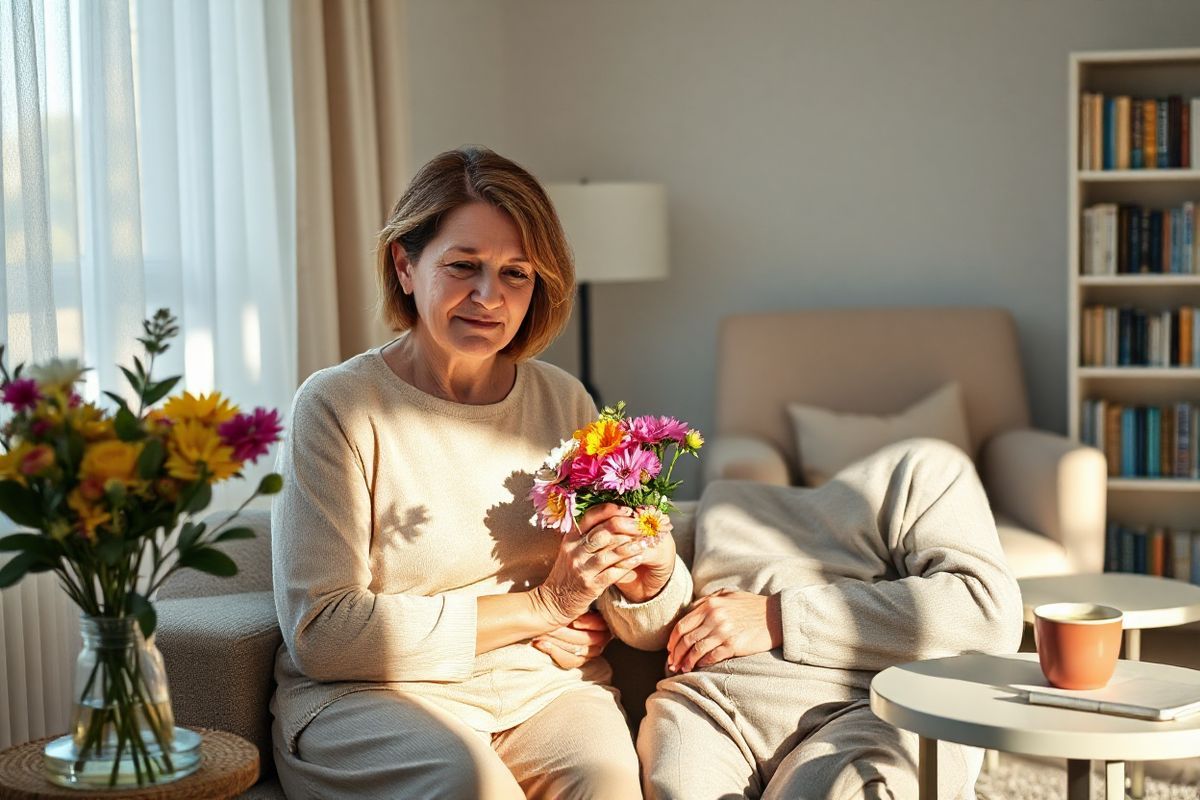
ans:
(1018, 779)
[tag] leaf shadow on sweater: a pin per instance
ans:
(519, 547)
(407, 524)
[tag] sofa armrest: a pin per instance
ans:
(220, 657)
(744, 458)
(1053, 486)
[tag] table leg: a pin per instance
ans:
(1114, 780)
(1137, 770)
(1079, 779)
(927, 769)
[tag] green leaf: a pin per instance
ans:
(127, 426)
(233, 533)
(134, 380)
(140, 607)
(20, 504)
(270, 484)
(116, 398)
(137, 363)
(206, 559)
(189, 534)
(35, 543)
(151, 458)
(16, 568)
(157, 391)
(197, 496)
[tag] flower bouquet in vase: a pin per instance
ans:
(614, 460)
(109, 496)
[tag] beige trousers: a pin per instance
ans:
(384, 744)
(828, 746)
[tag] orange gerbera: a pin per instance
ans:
(600, 438)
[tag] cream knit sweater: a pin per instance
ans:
(398, 510)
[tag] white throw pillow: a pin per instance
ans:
(827, 441)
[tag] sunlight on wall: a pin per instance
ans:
(251, 343)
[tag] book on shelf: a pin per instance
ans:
(1145, 441)
(1152, 550)
(1125, 239)
(1135, 337)
(1127, 132)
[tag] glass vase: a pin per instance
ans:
(122, 730)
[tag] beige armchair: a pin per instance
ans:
(1047, 492)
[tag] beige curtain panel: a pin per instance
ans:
(352, 152)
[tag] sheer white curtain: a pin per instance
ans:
(148, 161)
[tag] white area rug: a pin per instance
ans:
(1017, 779)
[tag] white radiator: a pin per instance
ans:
(39, 634)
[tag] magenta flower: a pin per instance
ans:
(628, 469)
(654, 430)
(554, 506)
(584, 470)
(251, 435)
(22, 394)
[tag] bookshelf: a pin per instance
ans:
(1169, 501)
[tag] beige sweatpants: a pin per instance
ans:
(764, 727)
(383, 744)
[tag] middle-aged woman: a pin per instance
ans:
(436, 643)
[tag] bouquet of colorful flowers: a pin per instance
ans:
(614, 460)
(104, 493)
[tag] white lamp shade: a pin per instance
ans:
(618, 231)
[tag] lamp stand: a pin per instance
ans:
(585, 341)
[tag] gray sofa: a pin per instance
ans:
(218, 637)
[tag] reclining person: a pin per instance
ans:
(804, 595)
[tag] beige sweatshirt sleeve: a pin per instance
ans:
(647, 625)
(953, 591)
(334, 626)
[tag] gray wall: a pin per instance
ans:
(818, 153)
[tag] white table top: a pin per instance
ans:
(968, 699)
(1147, 600)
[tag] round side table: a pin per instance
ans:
(1147, 601)
(976, 700)
(228, 767)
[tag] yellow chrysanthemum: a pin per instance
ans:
(693, 440)
(91, 422)
(111, 460)
(600, 438)
(192, 444)
(10, 463)
(90, 515)
(210, 409)
(652, 522)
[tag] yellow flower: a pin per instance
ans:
(192, 444)
(693, 440)
(210, 409)
(601, 437)
(652, 522)
(91, 515)
(91, 422)
(10, 463)
(110, 460)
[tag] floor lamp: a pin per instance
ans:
(618, 232)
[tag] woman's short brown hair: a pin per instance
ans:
(471, 175)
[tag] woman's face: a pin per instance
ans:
(472, 283)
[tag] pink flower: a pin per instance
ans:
(22, 394)
(584, 470)
(653, 430)
(251, 435)
(628, 469)
(554, 506)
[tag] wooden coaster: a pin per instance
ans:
(228, 767)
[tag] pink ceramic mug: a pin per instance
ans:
(1077, 643)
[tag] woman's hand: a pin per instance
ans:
(581, 573)
(725, 624)
(572, 645)
(648, 579)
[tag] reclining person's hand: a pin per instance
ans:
(725, 624)
(572, 645)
